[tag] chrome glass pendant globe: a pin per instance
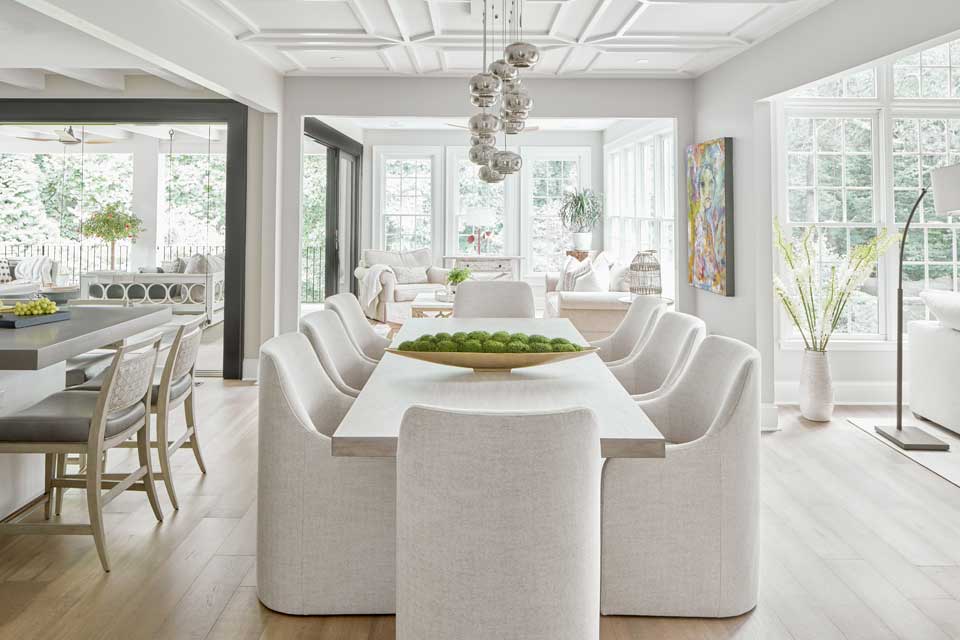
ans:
(483, 138)
(522, 55)
(484, 123)
(490, 175)
(484, 99)
(506, 162)
(513, 127)
(503, 70)
(482, 154)
(484, 84)
(517, 102)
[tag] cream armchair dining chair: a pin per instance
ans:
(494, 299)
(657, 365)
(633, 332)
(88, 423)
(680, 534)
(326, 526)
(345, 365)
(362, 335)
(498, 525)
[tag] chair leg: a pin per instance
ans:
(189, 411)
(58, 491)
(149, 484)
(95, 509)
(163, 452)
(49, 469)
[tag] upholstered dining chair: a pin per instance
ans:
(345, 365)
(361, 334)
(494, 299)
(326, 526)
(680, 534)
(657, 365)
(498, 525)
(632, 333)
(89, 423)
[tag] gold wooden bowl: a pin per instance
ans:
(479, 361)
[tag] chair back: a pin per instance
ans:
(294, 386)
(343, 363)
(361, 334)
(637, 325)
(666, 353)
(182, 357)
(512, 501)
(494, 299)
(128, 381)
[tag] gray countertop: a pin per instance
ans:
(88, 328)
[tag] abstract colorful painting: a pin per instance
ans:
(710, 216)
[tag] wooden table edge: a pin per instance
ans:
(386, 447)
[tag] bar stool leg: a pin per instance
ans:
(143, 453)
(49, 468)
(58, 491)
(94, 473)
(190, 415)
(163, 452)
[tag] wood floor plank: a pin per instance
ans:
(244, 618)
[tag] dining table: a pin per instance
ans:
(372, 425)
(33, 366)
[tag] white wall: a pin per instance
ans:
(842, 35)
(445, 97)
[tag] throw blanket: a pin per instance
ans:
(32, 269)
(371, 287)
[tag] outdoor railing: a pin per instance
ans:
(311, 275)
(171, 251)
(72, 259)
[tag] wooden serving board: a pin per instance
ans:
(11, 321)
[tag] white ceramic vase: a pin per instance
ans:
(816, 387)
(583, 241)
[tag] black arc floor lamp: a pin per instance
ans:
(946, 197)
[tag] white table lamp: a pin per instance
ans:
(946, 199)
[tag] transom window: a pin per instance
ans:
(931, 73)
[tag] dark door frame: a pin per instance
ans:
(336, 144)
(145, 111)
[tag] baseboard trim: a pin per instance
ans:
(852, 393)
(769, 417)
(251, 367)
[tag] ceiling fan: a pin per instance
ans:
(463, 126)
(67, 137)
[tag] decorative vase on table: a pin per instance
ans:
(582, 241)
(816, 386)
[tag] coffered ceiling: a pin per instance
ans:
(592, 38)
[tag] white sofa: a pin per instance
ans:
(20, 287)
(934, 352)
(595, 314)
(393, 302)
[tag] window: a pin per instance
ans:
(477, 222)
(193, 208)
(404, 210)
(931, 73)
(640, 200)
(548, 173)
(862, 84)
(851, 168)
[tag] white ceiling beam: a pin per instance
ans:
(168, 35)
(434, 18)
(598, 10)
(361, 15)
(632, 18)
(395, 14)
(335, 47)
(593, 61)
(563, 62)
(172, 78)
(613, 48)
(102, 78)
(205, 132)
(237, 14)
(274, 36)
(414, 59)
(33, 79)
(107, 131)
(387, 61)
(152, 131)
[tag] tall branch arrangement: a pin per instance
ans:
(815, 301)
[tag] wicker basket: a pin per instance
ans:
(645, 274)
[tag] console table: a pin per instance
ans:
(498, 267)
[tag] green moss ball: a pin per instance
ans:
(494, 346)
(459, 336)
(563, 347)
(515, 346)
(425, 345)
(478, 335)
(470, 346)
(426, 338)
(446, 345)
(519, 337)
(541, 347)
(539, 338)
(440, 337)
(501, 336)
(408, 345)
(559, 341)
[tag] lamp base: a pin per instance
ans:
(912, 438)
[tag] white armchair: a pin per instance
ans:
(347, 367)
(680, 534)
(633, 332)
(392, 304)
(326, 526)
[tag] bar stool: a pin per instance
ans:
(173, 385)
(88, 423)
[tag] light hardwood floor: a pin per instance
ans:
(858, 542)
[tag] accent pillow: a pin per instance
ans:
(176, 265)
(619, 277)
(33, 269)
(150, 270)
(945, 305)
(572, 269)
(410, 275)
(5, 275)
(597, 278)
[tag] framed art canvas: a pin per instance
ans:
(710, 216)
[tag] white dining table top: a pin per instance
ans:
(371, 427)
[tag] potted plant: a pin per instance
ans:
(113, 223)
(815, 298)
(580, 211)
(455, 277)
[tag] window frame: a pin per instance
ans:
(454, 154)
(384, 153)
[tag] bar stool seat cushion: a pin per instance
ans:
(177, 388)
(64, 417)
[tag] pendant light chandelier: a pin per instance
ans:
(500, 81)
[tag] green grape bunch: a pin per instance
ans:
(38, 307)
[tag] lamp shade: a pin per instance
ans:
(946, 189)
